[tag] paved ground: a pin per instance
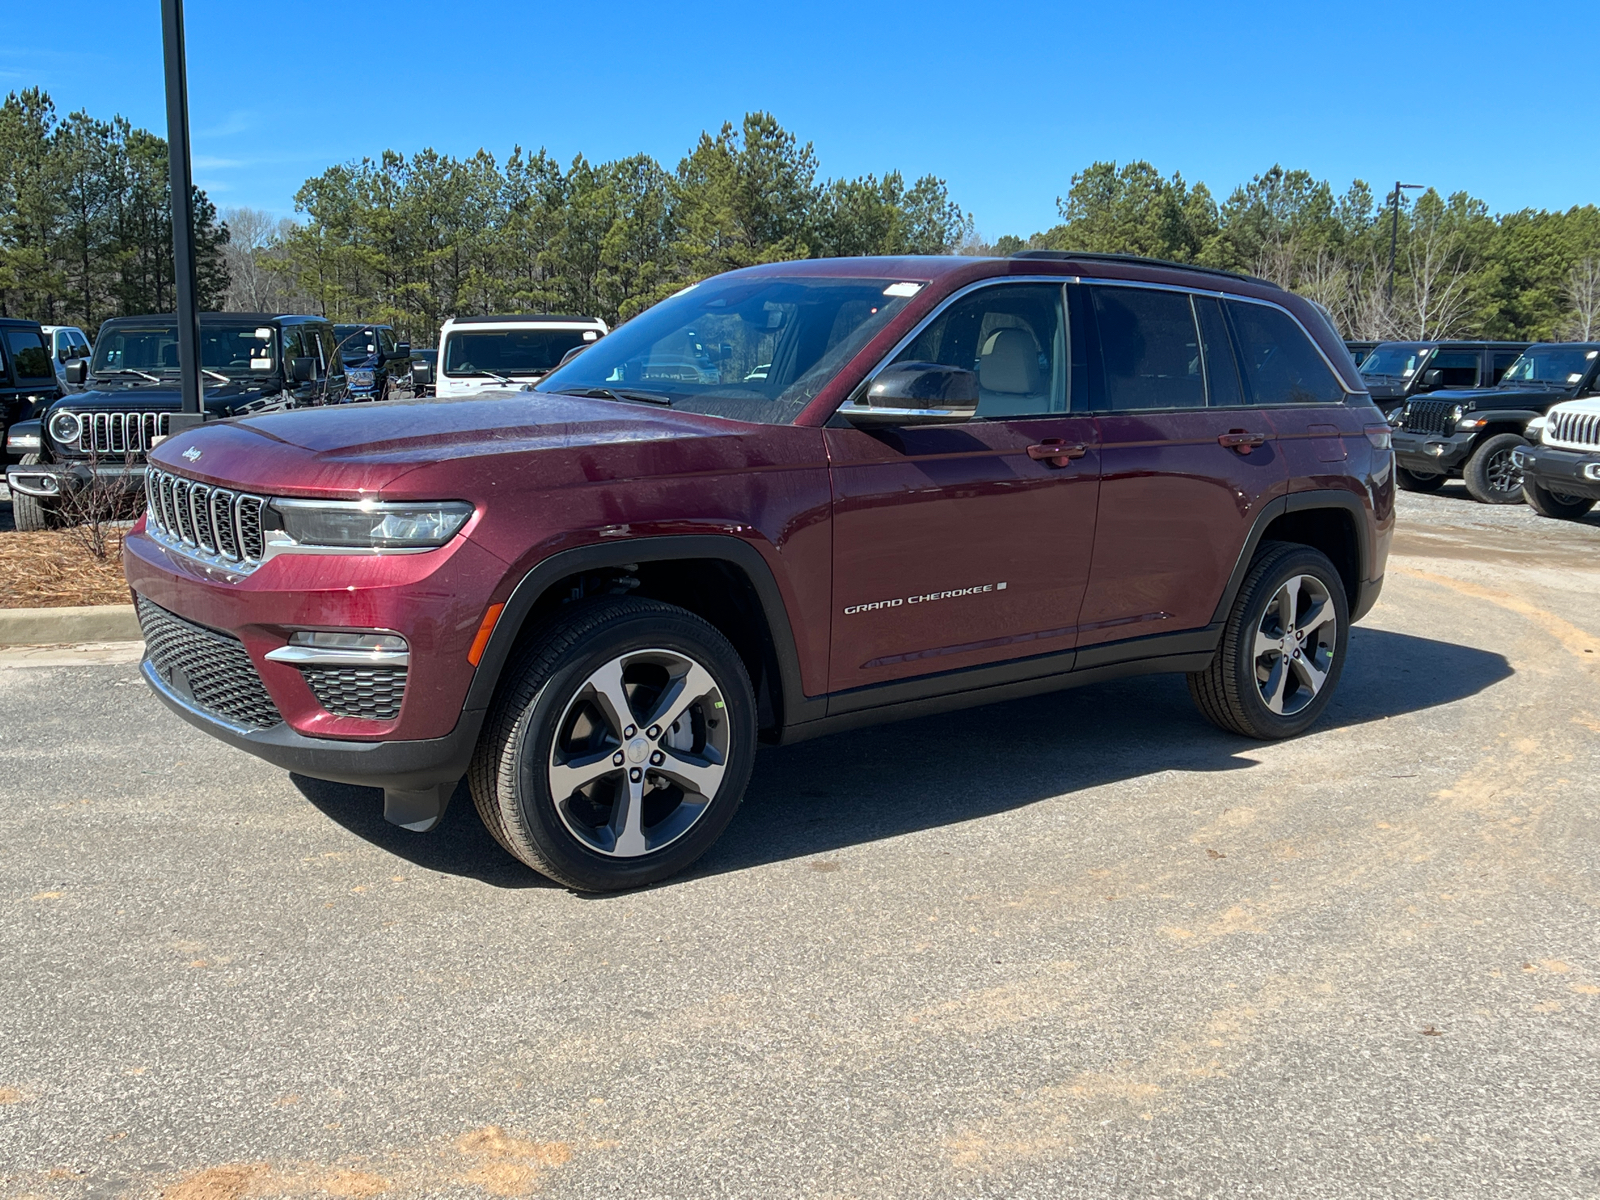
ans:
(1083, 946)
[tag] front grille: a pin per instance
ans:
(371, 693)
(210, 667)
(1430, 416)
(215, 521)
(1574, 429)
(122, 432)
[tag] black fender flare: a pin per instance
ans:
(734, 551)
(1309, 501)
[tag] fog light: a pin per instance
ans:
(1434, 448)
(342, 648)
(1592, 471)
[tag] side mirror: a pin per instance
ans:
(421, 373)
(303, 370)
(916, 393)
(1432, 379)
(401, 352)
(77, 371)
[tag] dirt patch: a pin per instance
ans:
(215, 1183)
(51, 570)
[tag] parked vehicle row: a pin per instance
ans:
(796, 498)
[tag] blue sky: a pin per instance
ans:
(1005, 100)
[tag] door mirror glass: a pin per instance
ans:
(1432, 379)
(916, 393)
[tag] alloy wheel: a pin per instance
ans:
(1294, 644)
(1503, 473)
(639, 753)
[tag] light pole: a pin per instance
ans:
(191, 412)
(1394, 230)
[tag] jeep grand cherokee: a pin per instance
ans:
(792, 499)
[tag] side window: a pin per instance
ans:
(1014, 337)
(332, 360)
(1280, 365)
(1149, 349)
(1222, 365)
(386, 341)
(1458, 368)
(293, 347)
(1502, 363)
(30, 354)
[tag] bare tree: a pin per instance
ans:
(1436, 303)
(1582, 290)
(254, 248)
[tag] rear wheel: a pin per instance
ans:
(1492, 477)
(1282, 648)
(1554, 504)
(1416, 481)
(618, 747)
(29, 513)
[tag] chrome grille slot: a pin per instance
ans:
(215, 523)
(206, 666)
(1577, 429)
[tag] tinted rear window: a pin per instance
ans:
(1281, 366)
(1149, 348)
(30, 354)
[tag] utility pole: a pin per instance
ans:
(1394, 232)
(182, 183)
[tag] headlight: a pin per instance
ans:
(371, 524)
(65, 427)
(1456, 412)
(359, 376)
(1535, 430)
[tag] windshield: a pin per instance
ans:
(1396, 362)
(153, 349)
(510, 351)
(356, 342)
(1564, 365)
(756, 349)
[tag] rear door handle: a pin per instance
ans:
(1240, 440)
(1057, 452)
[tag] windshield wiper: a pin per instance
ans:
(133, 371)
(215, 374)
(620, 394)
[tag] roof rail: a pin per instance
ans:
(1101, 256)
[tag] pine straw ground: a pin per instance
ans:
(52, 570)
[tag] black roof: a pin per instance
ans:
(1140, 260)
(15, 322)
(362, 325)
(223, 318)
(519, 317)
(1466, 342)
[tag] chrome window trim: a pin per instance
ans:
(1063, 280)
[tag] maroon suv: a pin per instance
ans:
(790, 500)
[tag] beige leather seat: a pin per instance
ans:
(1010, 382)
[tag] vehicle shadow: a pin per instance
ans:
(820, 796)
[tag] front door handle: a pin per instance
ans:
(1057, 452)
(1241, 440)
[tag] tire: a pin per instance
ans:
(1231, 692)
(1490, 475)
(1554, 504)
(1412, 481)
(28, 513)
(551, 729)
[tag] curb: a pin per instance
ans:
(66, 626)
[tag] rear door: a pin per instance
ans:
(1186, 464)
(962, 545)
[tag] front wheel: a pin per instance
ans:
(1414, 481)
(1554, 504)
(28, 513)
(618, 747)
(1491, 475)
(1282, 648)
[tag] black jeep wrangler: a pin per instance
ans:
(27, 372)
(252, 362)
(1473, 434)
(376, 364)
(1397, 371)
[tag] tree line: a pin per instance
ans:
(85, 233)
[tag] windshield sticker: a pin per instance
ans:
(924, 598)
(591, 335)
(261, 364)
(264, 333)
(1592, 353)
(902, 289)
(1574, 377)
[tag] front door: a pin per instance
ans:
(961, 545)
(1186, 463)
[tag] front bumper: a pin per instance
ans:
(49, 481)
(1431, 453)
(1567, 472)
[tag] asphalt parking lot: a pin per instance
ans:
(1077, 946)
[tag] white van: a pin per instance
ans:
(481, 353)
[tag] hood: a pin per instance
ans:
(1498, 397)
(143, 396)
(346, 448)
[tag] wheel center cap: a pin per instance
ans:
(638, 750)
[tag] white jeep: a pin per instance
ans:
(479, 354)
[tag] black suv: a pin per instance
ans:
(27, 373)
(253, 362)
(1473, 434)
(375, 362)
(1396, 371)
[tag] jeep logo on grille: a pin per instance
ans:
(192, 453)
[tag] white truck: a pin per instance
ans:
(479, 354)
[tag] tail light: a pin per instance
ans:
(1378, 435)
